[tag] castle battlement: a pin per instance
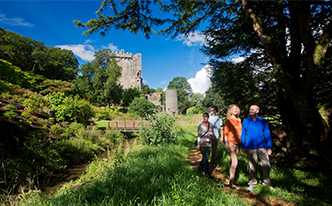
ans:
(131, 65)
(122, 54)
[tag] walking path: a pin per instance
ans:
(220, 179)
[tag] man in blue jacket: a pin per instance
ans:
(256, 142)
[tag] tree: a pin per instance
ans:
(141, 107)
(184, 93)
(129, 95)
(32, 56)
(294, 34)
(159, 90)
(55, 63)
(147, 90)
(99, 79)
(197, 97)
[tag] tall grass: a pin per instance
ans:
(148, 175)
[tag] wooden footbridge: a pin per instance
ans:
(125, 125)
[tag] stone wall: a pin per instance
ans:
(156, 99)
(131, 69)
(172, 101)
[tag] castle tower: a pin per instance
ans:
(131, 69)
(172, 101)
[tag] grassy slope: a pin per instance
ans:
(145, 175)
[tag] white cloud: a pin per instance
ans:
(14, 21)
(193, 39)
(163, 82)
(111, 47)
(201, 82)
(85, 51)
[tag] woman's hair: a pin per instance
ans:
(229, 113)
(207, 114)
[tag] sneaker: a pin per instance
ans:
(233, 186)
(250, 188)
(271, 188)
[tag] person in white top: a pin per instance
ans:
(217, 124)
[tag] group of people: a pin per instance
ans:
(253, 136)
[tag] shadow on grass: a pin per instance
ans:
(186, 138)
(146, 174)
(304, 186)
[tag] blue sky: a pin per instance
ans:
(51, 22)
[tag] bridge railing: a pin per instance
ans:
(125, 125)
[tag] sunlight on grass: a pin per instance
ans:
(136, 174)
(102, 124)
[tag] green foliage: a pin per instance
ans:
(57, 129)
(141, 107)
(15, 75)
(24, 124)
(49, 86)
(147, 90)
(5, 87)
(99, 79)
(10, 115)
(105, 113)
(129, 95)
(42, 123)
(10, 108)
(74, 127)
(70, 109)
(198, 109)
(32, 56)
(158, 129)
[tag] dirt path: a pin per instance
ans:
(195, 158)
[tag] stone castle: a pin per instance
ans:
(131, 69)
(132, 77)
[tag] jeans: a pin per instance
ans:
(204, 164)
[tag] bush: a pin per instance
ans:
(141, 107)
(10, 115)
(57, 129)
(158, 129)
(70, 109)
(10, 108)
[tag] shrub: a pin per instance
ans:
(42, 123)
(10, 108)
(26, 114)
(24, 124)
(141, 107)
(74, 128)
(194, 110)
(57, 129)
(10, 115)
(70, 109)
(158, 129)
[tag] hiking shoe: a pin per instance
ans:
(250, 188)
(233, 186)
(271, 188)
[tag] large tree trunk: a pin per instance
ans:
(306, 115)
(296, 73)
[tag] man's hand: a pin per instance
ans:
(269, 152)
(244, 150)
(198, 147)
(221, 139)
